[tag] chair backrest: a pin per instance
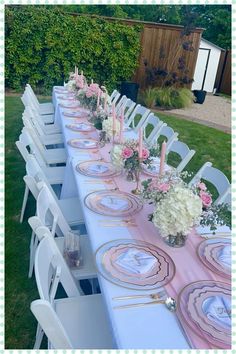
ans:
(155, 124)
(138, 110)
(50, 324)
(49, 212)
(183, 151)
(225, 198)
(49, 264)
(169, 134)
(34, 118)
(32, 95)
(35, 175)
(114, 96)
(121, 103)
(215, 177)
(25, 141)
(128, 108)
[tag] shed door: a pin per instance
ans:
(201, 69)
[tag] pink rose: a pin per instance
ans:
(163, 187)
(94, 88)
(89, 94)
(79, 82)
(202, 186)
(206, 199)
(145, 153)
(127, 153)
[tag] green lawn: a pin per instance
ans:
(210, 144)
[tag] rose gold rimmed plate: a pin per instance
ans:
(113, 203)
(97, 169)
(84, 143)
(161, 271)
(154, 168)
(69, 105)
(208, 253)
(191, 310)
(81, 127)
(200, 301)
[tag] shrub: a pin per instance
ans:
(148, 97)
(43, 46)
(170, 97)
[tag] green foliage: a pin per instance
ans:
(170, 97)
(42, 47)
(148, 97)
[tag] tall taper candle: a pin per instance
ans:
(140, 143)
(113, 118)
(91, 81)
(122, 126)
(98, 99)
(163, 155)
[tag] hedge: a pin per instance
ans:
(43, 45)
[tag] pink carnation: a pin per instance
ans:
(206, 199)
(127, 153)
(145, 153)
(202, 186)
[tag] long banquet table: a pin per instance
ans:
(147, 327)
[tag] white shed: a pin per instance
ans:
(206, 66)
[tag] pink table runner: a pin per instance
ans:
(188, 266)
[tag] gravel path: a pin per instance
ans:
(214, 112)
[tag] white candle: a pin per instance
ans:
(140, 143)
(122, 127)
(91, 81)
(162, 161)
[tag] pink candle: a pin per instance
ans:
(105, 102)
(114, 117)
(140, 143)
(98, 100)
(122, 126)
(162, 161)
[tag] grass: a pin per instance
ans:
(210, 145)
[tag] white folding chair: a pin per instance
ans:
(29, 101)
(50, 213)
(114, 96)
(75, 322)
(215, 177)
(183, 151)
(47, 129)
(138, 111)
(44, 108)
(128, 108)
(121, 104)
(53, 139)
(50, 156)
(154, 123)
(168, 133)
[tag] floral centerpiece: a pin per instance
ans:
(110, 128)
(90, 95)
(127, 155)
(178, 207)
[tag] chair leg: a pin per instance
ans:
(39, 337)
(33, 246)
(26, 194)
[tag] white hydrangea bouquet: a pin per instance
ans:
(107, 126)
(178, 208)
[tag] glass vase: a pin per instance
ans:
(176, 240)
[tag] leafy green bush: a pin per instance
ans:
(170, 97)
(43, 46)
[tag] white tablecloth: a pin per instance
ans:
(149, 327)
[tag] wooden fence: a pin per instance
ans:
(160, 47)
(223, 77)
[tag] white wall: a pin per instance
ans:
(211, 69)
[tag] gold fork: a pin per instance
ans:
(152, 296)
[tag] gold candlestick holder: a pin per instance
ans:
(113, 136)
(137, 190)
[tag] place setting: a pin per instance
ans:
(97, 168)
(134, 264)
(215, 254)
(81, 127)
(80, 143)
(113, 203)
